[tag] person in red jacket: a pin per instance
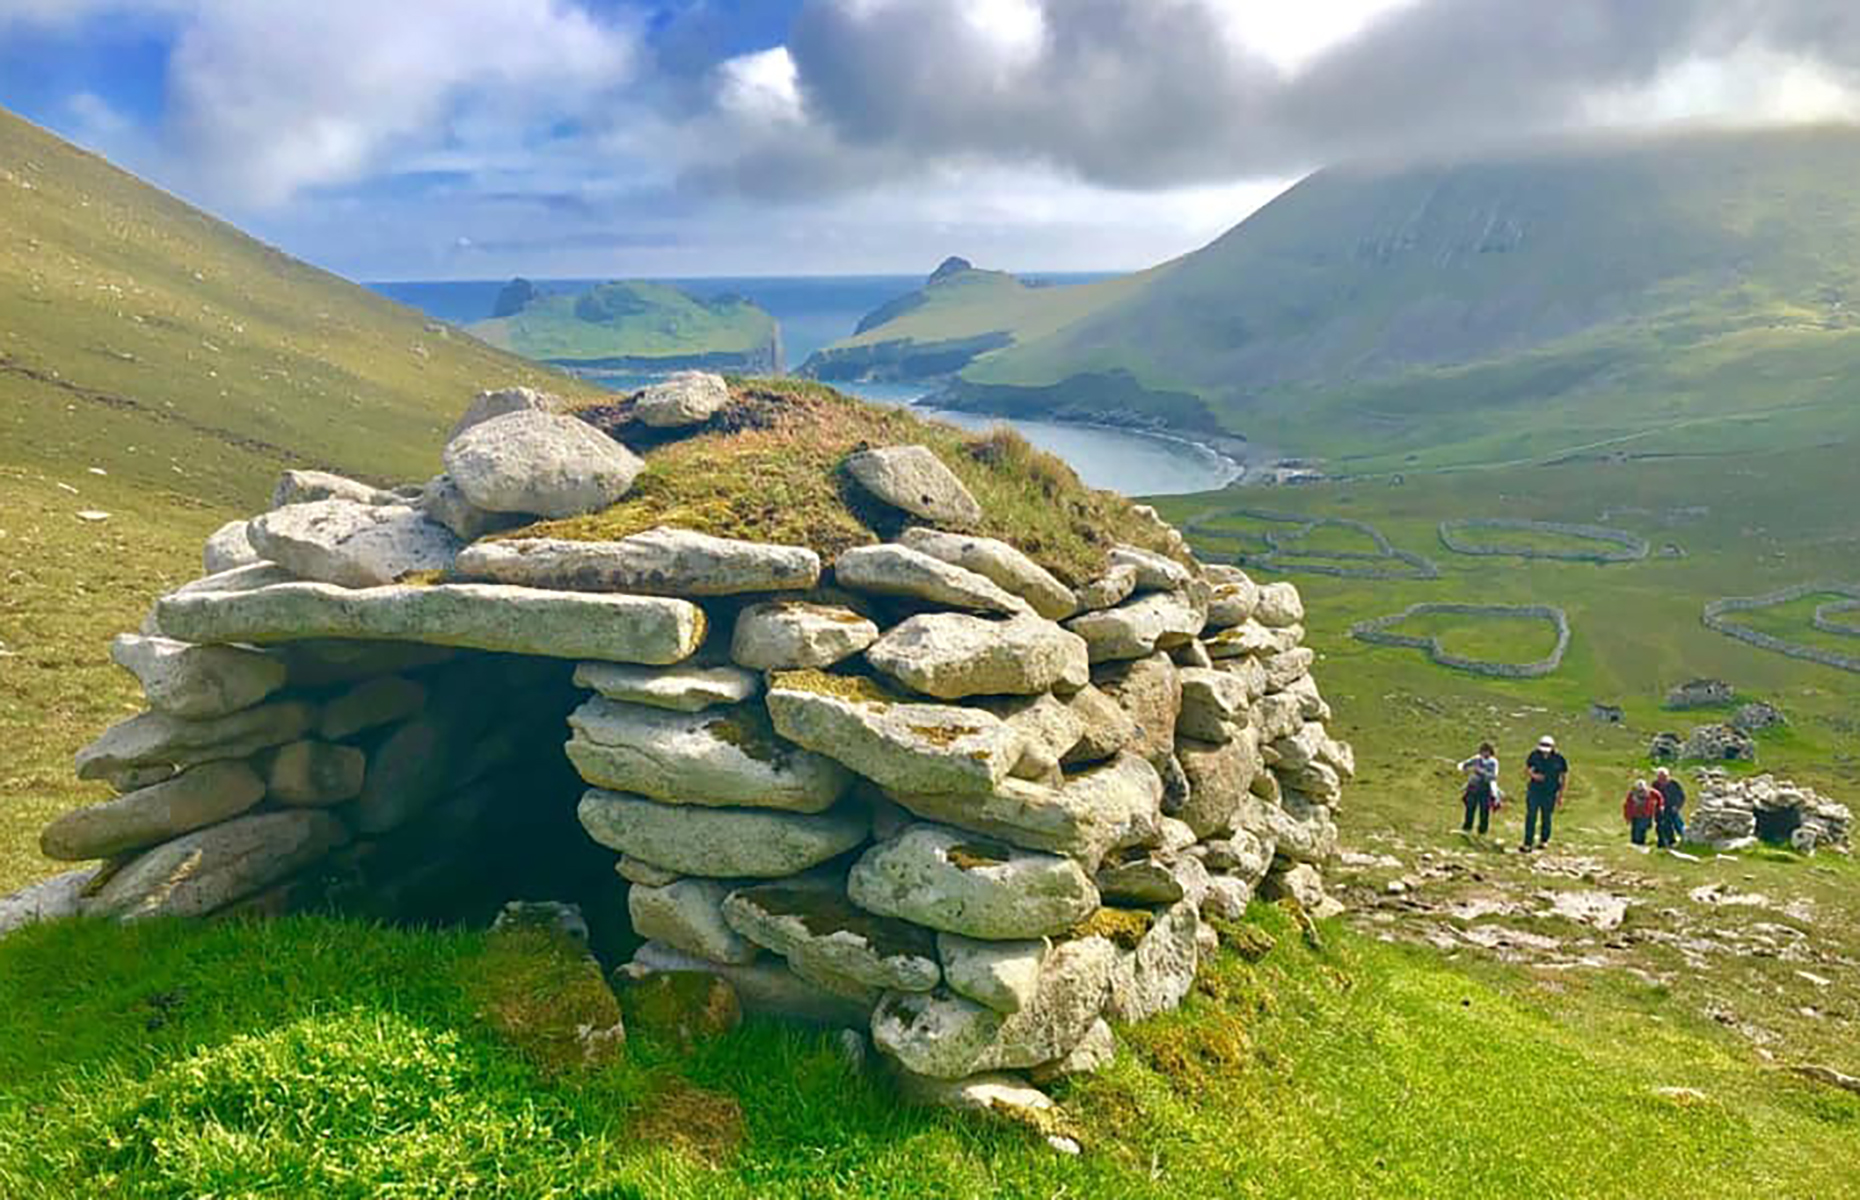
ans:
(1641, 809)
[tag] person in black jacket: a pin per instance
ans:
(1547, 773)
(1671, 826)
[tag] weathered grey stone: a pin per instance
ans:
(326, 662)
(153, 738)
(943, 1035)
(308, 487)
(1283, 670)
(995, 1092)
(1048, 729)
(1219, 776)
(479, 616)
(1156, 976)
(309, 774)
(206, 795)
(1149, 690)
(228, 548)
(688, 915)
(197, 682)
(1156, 620)
(1249, 639)
(500, 402)
(952, 655)
(914, 479)
(765, 986)
(353, 545)
(1227, 898)
(1000, 975)
(727, 758)
(211, 868)
(1299, 830)
(1155, 572)
(900, 746)
(821, 934)
(369, 705)
(442, 501)
(1279, 605)
(1302, 883)
(784, 635)
(718, 842)
(1233, 603)
(1250, 672)
(638, 870)
(682, 688)
(1213, 704)
(658, 562)
(893, 570)
(1146, 880)
(1191, 653)
(1105, 728)
(950, 880)
(1110, 805)
(539, 463)
(1276, 715)
(1311, 705)
(1111, 588)
(682, 398)
(996, 560)
(406, 772)
(1095, 1051)
(1241, 853)
(52, 899)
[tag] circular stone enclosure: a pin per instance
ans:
(1286, 559)
(1629, 547)
(1718, 613)
(1376, 631)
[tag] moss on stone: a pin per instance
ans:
(747, 727)
(542, 991)
(974, 855)
(859, 689)
(682, 1007)
(1123, 927)
(1248, 941)
(945, 736)
(823, 912)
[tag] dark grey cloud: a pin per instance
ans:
(1151, 93)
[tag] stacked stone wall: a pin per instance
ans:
(1718, 613)
(1633, 547)
(1376, 631)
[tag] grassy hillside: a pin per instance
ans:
(1558, 297)
(160, 366)
(636, 321)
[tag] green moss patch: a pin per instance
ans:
(542, 992)
(1124, 927)
(747, 727)
(857, 688)
(768, 469)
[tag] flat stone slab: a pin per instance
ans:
(952, 655)
(1000, 562)
(820, 932)
(726, 758)
(152, 738)
(688, 914)
(1115, 804)
(1136, 628)
(785, 635)
(540, 463)
(1155, 572)
(718, 842)
(305, 487)
(902, 746)
(1000, 975)
(354, 545)
(914, 479)
(206, 795)
(208, 869)
(680, 688)
(894, 570)
(185, 680)
(478, 616)
(500, 402)
(965, 883)
(52, 899)
(227, 548)
(683, 398)
(945, 1036)
(658, 562)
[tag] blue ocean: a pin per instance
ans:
(819, 309)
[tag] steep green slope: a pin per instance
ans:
(1584, 280)
(960, 313)
(636, 324)
(159, 366)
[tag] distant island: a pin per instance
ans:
(634, 326)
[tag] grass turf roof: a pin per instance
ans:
(770, 468)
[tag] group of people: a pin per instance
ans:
(1547, 774)
(1657, 805)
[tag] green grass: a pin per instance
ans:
(1489, 638)
(632, 320)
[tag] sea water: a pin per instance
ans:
(817, 310)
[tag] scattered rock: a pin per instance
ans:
(353, 545)
(541, 464)
(682, 398)
(914, 479)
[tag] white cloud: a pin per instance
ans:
(760, 86)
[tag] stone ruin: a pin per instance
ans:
(1719, 742)
(1700, 693)
(1732, 813)
(927, 790)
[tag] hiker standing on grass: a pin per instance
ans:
(1548, 773)
(1640, 810)
(1481, 793)
(1672, 825)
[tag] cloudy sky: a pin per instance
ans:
(484, 138)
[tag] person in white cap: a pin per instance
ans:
(1548, 773)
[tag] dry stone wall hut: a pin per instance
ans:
(887, 725)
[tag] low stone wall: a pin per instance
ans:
(1375, 631)
(1633, 546)
(1279, 559)
(1731, 813)
(1825, 618)
(927, 790)
(1718, 610)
